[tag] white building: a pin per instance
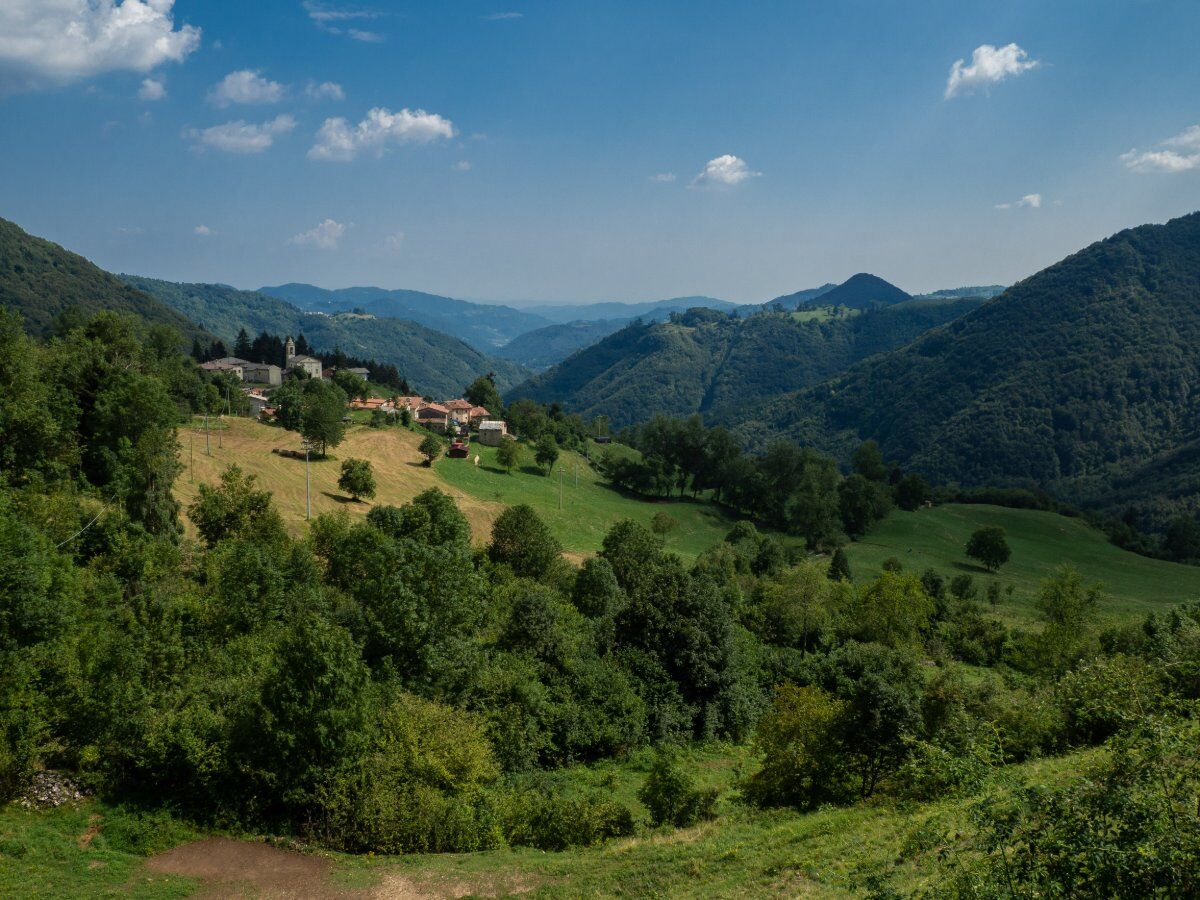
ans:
(294, 363)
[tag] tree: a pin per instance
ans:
(987, 544)
(482, 392)
(662, 524)
(546, 453)
(868, 462)
(508, 454)
(322, 412)
(856, 500)
(431, 448)
(912, 492)
(839, 566)
(1182, 540)
(352, 385)
(242, 348)
(236, 508)
(670, 794)
(524, 542)
(357, 478)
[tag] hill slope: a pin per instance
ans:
(655, 310)
(40, 280)
(723, 366)
(1080, 378)
(861, 291)
(483, 326)
(544, 347)
(433, 362)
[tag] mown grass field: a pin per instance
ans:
(1041, 542)
(589, 505)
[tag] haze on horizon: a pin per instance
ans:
(546, 153)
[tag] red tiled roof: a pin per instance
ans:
(434, 409)
(458, 404)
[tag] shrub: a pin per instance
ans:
(1108, 695)
(521, 540)
(542, 815)
(670, 794)
(357, 478)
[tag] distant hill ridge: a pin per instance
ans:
(483, 326)
(433, 362)
(707, 361)
(40, 280)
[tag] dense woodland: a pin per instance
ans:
(387, 686)
(1077, 380)
(726, 366)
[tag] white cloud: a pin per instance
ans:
(337, 141)
(325, 236)
(1182, 154)
(724, 171)
(326, 90)
(153, 89)
(989, 65)
(48, 42)
(504, 16)
(203, 231)
(663, 177)
(334, 19)
(1029, 201)
(245, 86)
(462, 166)
(393, 242)
(239, 136)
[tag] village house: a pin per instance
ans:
(250, 372)
(460, 410)
(293, 363)
(492, 432)
(434, 416)
(476, 415)
(258, 401)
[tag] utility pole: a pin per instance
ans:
(560, 488)
(576, 474)
(307, 483)
(191, 454)
(207, 436)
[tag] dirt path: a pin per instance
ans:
(228, 868)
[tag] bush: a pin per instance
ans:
(940, 768)
(1106, 696)
(357, 478)
(669, 793)
(541, 815)
(419, 788)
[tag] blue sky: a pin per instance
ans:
(559, 150)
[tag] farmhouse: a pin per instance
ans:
(460, 410)
(434, 416)
(250, 372)
(492, 432)
(477, 414)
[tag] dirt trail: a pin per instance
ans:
(229, 868)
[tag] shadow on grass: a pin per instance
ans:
(340, 498)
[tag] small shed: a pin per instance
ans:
(459, 450)
(492, 432)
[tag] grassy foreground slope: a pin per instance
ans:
(97, 850)
(1041, 542)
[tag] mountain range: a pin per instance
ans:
(724, 366)
(1081, 379)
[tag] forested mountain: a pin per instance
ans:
(482, 325)
(1081, 379)
(40, 280)
(432, 362)
(986, 291)
(801, 298)
(544, 347)
(655, 310)
(861, 291)
(725, 366)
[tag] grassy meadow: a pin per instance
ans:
(1041, 542)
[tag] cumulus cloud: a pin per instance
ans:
(325, 236)
(203, 231)
(326, 90)
(153, 89)
(989, 65)
(239, 136)
(1029, 201)
(1178, 154)
(338, 141)
(393, 242)
(51, 42)
(504, 16)
(245, 86)
(663, 177)
(724, 171)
